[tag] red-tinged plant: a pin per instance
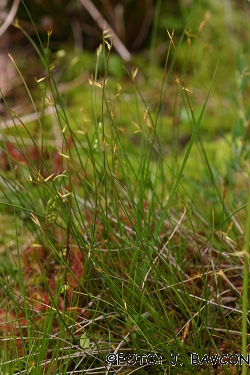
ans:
(29, 155)
(22, 156)
(75, 277)
(32, 258)
(10, 325)
(39, 299)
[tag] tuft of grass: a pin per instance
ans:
(126, 249)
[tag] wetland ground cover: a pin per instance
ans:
(123, 204)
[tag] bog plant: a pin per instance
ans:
(120, 257)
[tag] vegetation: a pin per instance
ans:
(123, 205)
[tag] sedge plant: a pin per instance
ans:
(119, 257)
